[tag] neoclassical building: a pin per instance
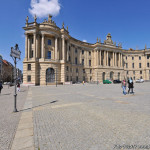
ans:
(52, 55)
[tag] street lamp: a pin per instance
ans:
(15, 53)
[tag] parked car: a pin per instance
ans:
(116, 81)
(107, 82)
(139, 81)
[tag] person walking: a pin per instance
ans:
(1, 86)
(123, 85)
(130, 85)
(18, 87)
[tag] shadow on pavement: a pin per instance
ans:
(39, 105)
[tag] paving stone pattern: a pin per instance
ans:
(90, 117)
(8, 120)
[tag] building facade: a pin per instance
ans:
(52, 55)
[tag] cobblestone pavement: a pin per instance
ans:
(9, 120)
(91, 117)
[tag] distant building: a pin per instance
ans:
(1, 65)
(19, 74)
(51, 55)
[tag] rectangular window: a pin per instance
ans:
(77, 78)
(127, 72)
(89, 53)
(132, 65)
(49, 42)
(29, 78)
(126, 65)
(89, 62)
(126, 57)
(67, 78)
(76, 50)
(69, 58)
(76, 61)
(147, 56)
(134, 72)
(32, 41)
(32, 54)
(82, 52)
(29, 66)
(132, 58)
(67, 68)
(76, 70)
(83, 70)
(140, 72)
(90, 71)
(69, 48)
(147, 64)
(139, 65)
(82, 61)
(49, 55)
(139, 57)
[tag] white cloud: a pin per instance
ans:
(84, 40)
(42, 8)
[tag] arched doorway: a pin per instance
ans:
(50, 75)
(103, 76)
(111, 75)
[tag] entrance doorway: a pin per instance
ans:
(50, 75)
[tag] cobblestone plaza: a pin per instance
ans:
(77, 117)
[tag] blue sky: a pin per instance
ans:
(128, 22)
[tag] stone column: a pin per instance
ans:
(37, 46)
(100, 57)
(121, 60)
(113, 60)
(67, 50)
(26, 46)
(42, 50)
(63, 47)
(56, 47)
(29, 48)
(34, 39)
(97, 58)
(107, 58)
(104, 58)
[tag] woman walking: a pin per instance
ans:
(130, 85)
(123, 85)
(18, 87)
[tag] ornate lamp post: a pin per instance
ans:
(15, 54)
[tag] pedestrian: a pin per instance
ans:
(1, 86)
(83, 82)
(123, 85)
(18, 87)
(130, 85)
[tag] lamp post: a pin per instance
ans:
(15, 53)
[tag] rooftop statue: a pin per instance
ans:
(27, 19)
(35, 18)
